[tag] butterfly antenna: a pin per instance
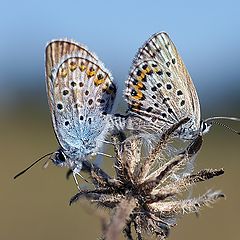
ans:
(212, 120)
(38, 160)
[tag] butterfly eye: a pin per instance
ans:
(59, 158)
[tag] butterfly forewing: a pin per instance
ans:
(57, 49)
(159, 87)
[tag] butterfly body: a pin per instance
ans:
(80, 95)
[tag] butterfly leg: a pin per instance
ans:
(75, 179)
(104, 154)
(76, 172)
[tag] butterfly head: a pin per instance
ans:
(63, 158)
(188, 134)
(72, 158)
(205, 127)
(190, 130)
(59, 158)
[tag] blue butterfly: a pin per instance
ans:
(81, 93)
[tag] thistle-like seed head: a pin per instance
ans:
(144, 194)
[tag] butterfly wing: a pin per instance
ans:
(80, 93)
(59, 48)
(159, 87)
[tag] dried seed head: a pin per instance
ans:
(143, 197)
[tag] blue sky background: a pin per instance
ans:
(206, 33)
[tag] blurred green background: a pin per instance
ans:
(35, 206)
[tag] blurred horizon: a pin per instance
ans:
(207, 39)
(207, 36)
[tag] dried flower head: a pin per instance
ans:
(144, 194)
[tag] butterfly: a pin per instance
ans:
(160, 92)
(81, 94)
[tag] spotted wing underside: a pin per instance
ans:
(57, 49)
(80, 93)
(159, 89)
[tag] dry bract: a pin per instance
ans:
(144, 194)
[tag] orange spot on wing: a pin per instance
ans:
(82, 67)
(63, 72)
(99, 79)
(140, 85)
(147, 70)
(136, 106)
(141, 77)
(138, 95)
(72, 66)
(91, 72)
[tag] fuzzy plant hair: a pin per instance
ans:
(145, 194)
